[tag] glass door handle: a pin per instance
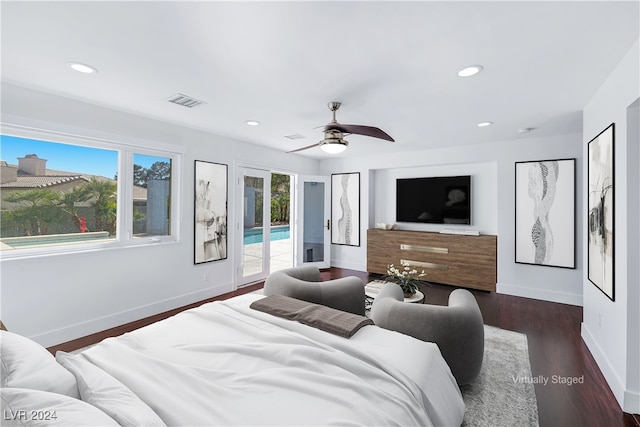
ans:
(328, 224)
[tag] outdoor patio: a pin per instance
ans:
(281, 256)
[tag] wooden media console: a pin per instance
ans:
(452, 259)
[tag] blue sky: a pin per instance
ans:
(65, 157)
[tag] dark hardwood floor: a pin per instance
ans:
(555, 349)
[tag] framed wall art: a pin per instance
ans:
(545, 213)
(210, 232)
(600, 215)
(345, 209)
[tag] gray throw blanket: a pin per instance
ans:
(318, 316)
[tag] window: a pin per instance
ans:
(57, 196)
(151, 195)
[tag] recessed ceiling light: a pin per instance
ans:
(82, 68)
(470, 71)
(484, 124)
(252, 122)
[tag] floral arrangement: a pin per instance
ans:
(408, 278)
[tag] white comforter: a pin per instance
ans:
(226, 364)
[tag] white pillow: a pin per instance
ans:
(24, 407)
(26, 364)
(103, 391)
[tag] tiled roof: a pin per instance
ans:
(50, 172)
(56, 177)
(42, 181)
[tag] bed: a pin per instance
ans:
(224, 363)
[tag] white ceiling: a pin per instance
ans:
(392, 64)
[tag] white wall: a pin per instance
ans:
(633, 304)
(493, 165)
(610, 327)
(54, 299)
(632, 398)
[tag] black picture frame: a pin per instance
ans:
(545, 212)
(601, 211)
(345, 209)
(210, 211)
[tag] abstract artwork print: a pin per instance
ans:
(345, 209)
(600, 224)
(210, 231)
(545, 213)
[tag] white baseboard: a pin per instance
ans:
(541, 294)
(603, 363)
(631, 402)
(348, 265)
(79, 330)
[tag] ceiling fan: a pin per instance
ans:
(334, 142)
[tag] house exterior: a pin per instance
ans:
(31, 172)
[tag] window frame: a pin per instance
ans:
(126, 149)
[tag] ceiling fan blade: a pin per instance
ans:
(359, 130)
(304, 148)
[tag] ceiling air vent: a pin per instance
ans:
(295, 136)
(185, 101)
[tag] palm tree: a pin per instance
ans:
(103, 195)
(68, 203)
(37, 209)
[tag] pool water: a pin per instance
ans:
(54, 239)
(254, 235)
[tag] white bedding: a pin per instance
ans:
(226, 364)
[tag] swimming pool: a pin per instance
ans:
(254, 235)
(54, 239)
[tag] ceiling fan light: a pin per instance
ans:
(334, 147)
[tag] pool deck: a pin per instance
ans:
(281, 256)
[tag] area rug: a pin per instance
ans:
(501, 395)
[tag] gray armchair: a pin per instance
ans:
(346, 294)
(457, 329)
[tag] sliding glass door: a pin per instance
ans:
(256, 225)
(270, 234)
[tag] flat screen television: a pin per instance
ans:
(434, 200)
